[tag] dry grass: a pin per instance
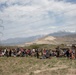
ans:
(33, 66)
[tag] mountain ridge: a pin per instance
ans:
(58, 38)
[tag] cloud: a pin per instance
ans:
(34, 17)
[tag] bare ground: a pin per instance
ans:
(33, 66)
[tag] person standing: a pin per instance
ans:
(58, 51)
(37, 53)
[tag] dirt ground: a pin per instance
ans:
(34, 66)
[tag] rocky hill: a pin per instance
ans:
(67, 39)
(61, 37)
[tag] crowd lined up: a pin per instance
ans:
(39, 53)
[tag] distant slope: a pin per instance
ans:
(44, 40)
(61, 33)
(61, 37)
(67, 39)
(18, 41)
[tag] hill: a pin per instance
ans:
(20, 40)
(60, 37)
(61, 33)
(67, 39)
(44, 40)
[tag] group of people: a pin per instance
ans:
(39, 53)
(21, 52)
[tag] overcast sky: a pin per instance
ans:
(24, 18)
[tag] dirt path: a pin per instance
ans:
(43, 69)
(50, 69)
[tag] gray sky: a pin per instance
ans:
(24, 18)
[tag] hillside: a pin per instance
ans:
(67, 39)
(61, 37)
(20, 40)
(44, 40)
(61, 33)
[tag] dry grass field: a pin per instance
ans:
(34, 66)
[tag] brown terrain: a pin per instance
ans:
(69, 39)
